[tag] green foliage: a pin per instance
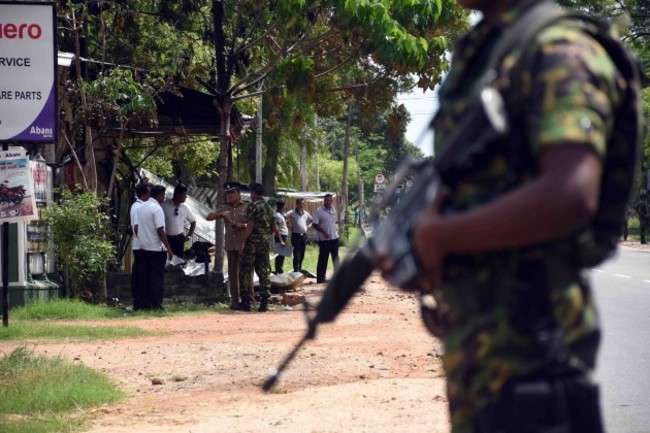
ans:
(79, 229)
(119, 96)
(48, 393)
(298, 72)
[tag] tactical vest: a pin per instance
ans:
(598, 240)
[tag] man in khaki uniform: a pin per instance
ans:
(235, 215)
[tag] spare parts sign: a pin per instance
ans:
(28, 87)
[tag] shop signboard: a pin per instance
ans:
(17, 201)
(28, 89)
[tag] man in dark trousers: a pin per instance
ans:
(176, 214)
(298, 222)
(325, 221)
(142, 192)
(642, 209)
(155, 249)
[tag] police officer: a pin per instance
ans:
(256, 248)
(514, 311)
(235, 215)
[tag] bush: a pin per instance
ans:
(80, 233)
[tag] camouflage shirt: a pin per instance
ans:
(569, 95)
(262, 215)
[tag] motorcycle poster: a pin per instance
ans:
(17, 201)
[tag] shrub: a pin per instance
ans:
(80, 233)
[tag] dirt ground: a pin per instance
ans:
(374, 370)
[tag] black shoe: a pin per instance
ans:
(264, 306)
(245, 306)
(236, 307)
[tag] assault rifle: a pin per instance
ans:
(392, 233)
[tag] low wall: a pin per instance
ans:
(209, 288)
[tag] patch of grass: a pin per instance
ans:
(38, 394)
(310, 261)
(65, 309)
(180, 308)
(70, 309)
(30, 322)
(25, 330)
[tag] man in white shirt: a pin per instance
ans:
(176, 213)
(155, 247)
(298, 222)
(325, 221)
(142, 192)
(281, 235)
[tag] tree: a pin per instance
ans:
(295, 42)
(326, 51)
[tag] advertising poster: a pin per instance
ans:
(17, 201)
(28, 89)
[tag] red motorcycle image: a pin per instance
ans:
(13, 194)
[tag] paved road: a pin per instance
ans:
(622, 287)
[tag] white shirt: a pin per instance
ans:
(326, 220)
(299, 222)
(150, 218)
(175, 224)
(282, 224)
(135, 242)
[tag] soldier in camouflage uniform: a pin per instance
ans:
(497, 248)
(642, 209)
(256, 248)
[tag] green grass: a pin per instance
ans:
(69, 309)
(38, 394)
(26, 330)
(34, 321)
(65, 309)
(356, 238)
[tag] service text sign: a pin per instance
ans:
(28, 87)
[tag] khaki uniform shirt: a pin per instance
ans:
(234, 238)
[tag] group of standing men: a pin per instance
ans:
(298, 221)
(249, 227)
(158, 235)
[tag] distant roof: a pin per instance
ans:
(307, 195)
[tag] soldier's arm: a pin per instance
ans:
(558, 202)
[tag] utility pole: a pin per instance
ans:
(303, 166)
(258, 139)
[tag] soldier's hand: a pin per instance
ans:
(429, 251)
(384, 264)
